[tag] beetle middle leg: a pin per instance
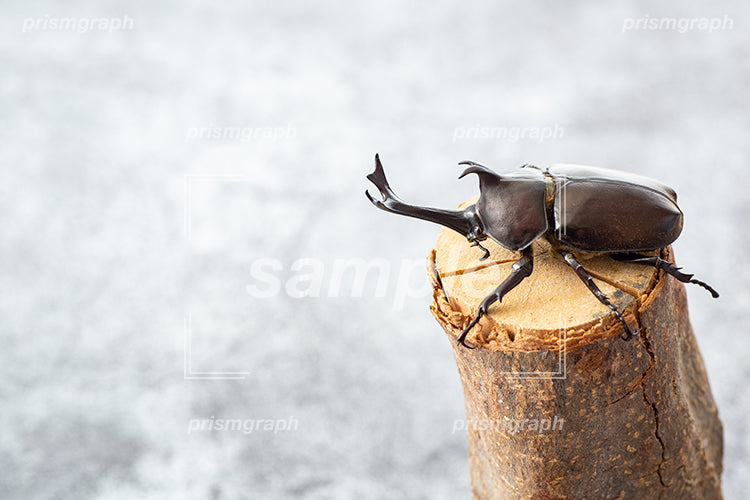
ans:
(520, 270)
(586, 278)
(667, 266)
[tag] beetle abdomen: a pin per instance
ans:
(610, 215)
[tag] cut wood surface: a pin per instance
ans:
(632, 419)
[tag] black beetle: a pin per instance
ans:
(575, 208)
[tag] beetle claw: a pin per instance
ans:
(708, 287)
(475, 243)
(463, 343)
(628, 333)
(670, 268)
(486, 252)
(462, 337)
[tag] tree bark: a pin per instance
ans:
(557, 404)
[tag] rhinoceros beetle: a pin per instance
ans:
(575, 208)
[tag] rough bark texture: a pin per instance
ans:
(631, 419)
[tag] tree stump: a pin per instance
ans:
(557, 404)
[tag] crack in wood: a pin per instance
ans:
(459, 272)
(652, 357)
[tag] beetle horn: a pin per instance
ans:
(476, 168)
(487, 178)
(465, 222)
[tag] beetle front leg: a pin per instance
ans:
(668, 267)
(475, 243)
(570, 259)
(522, 268)
(474, 236)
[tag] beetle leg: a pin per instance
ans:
(520, 270)
(581, 272)
(667, 266)
(475, 243)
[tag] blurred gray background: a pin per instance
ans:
(141, 233)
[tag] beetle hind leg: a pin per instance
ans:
(570, 259)
(667, 266)
(522, 268)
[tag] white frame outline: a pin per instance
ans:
(188, 373)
